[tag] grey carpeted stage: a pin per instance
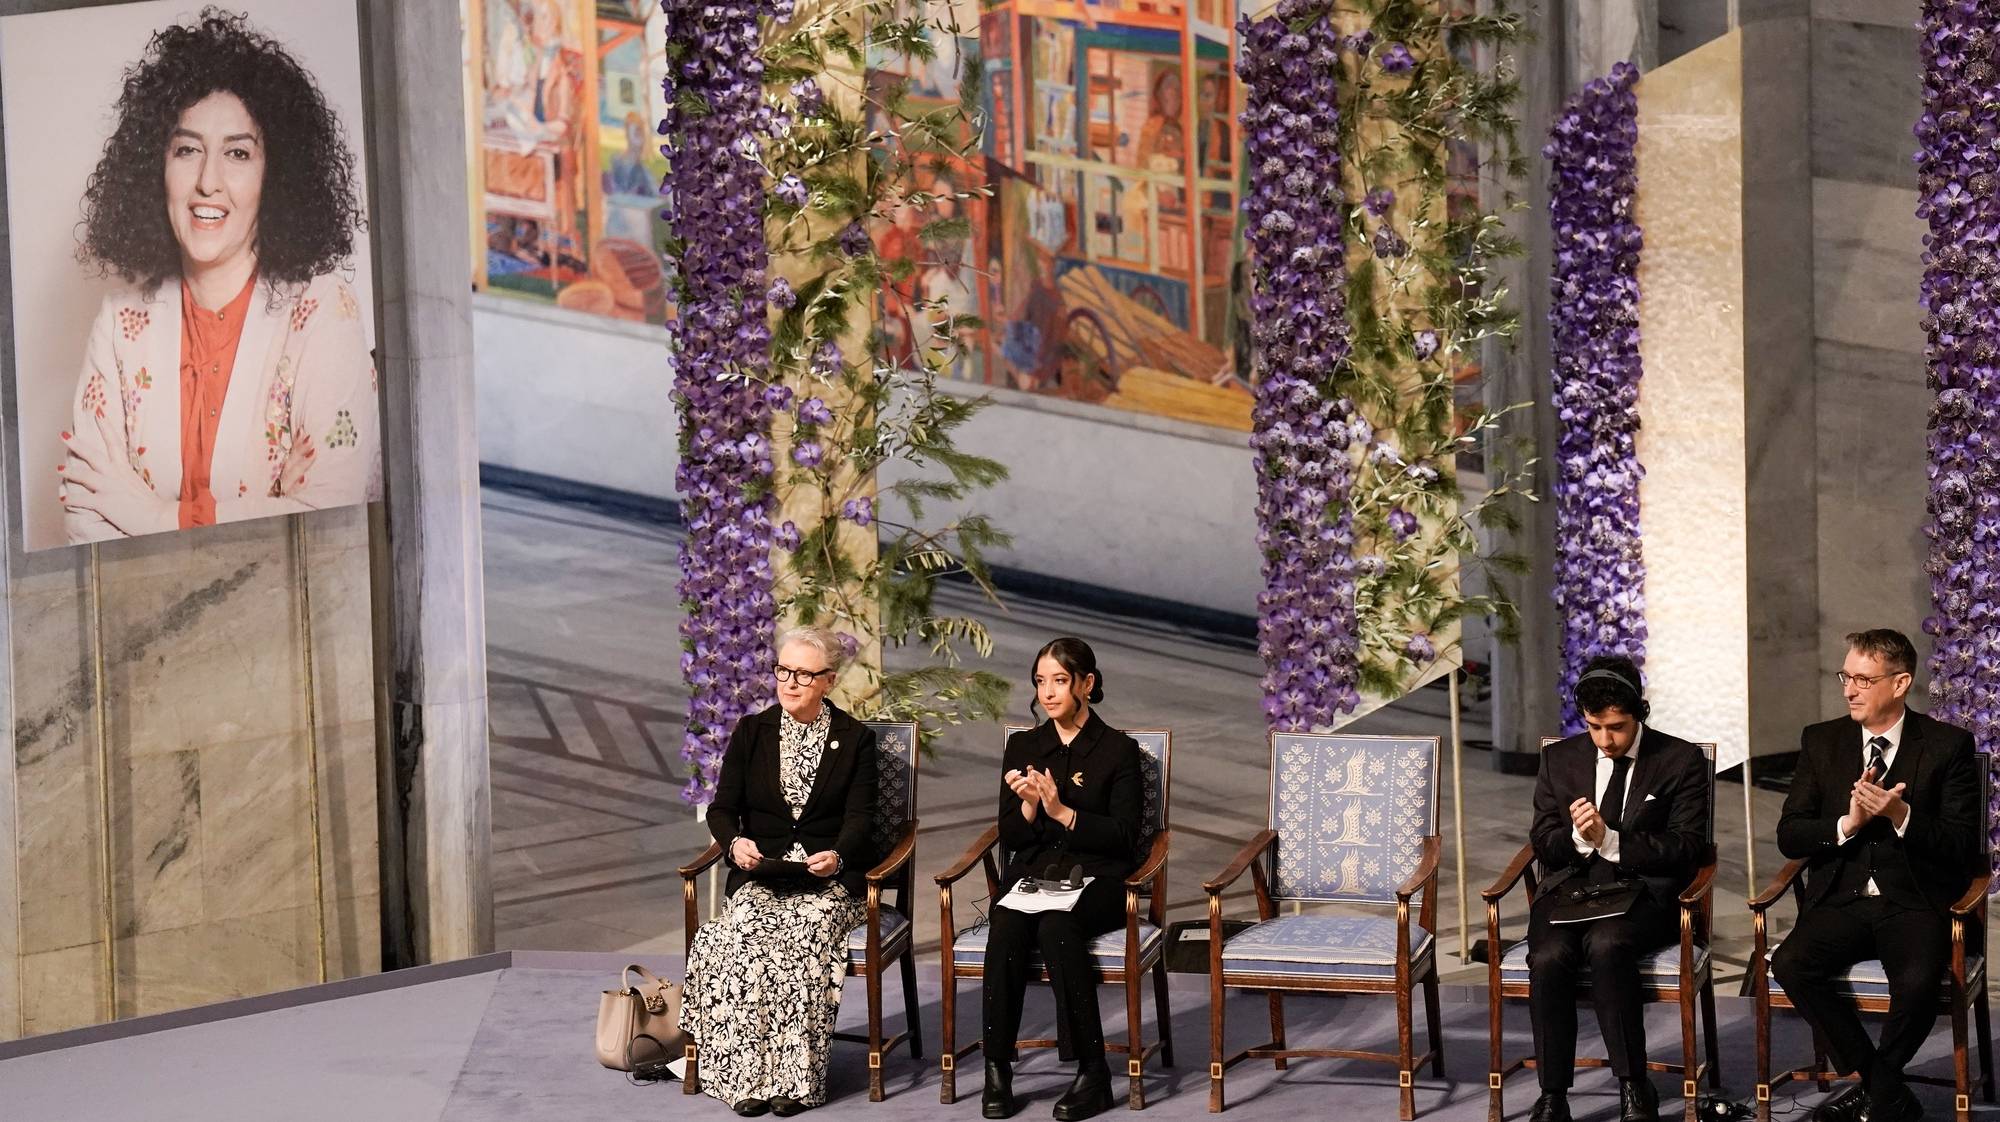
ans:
(507, 1037)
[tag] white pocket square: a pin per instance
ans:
(1650, 798)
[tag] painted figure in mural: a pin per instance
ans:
(230, 376)
(794, 813)
(534, 119)
(1885, 811)
(1621, 810)
(628, 174)
(1073, 795)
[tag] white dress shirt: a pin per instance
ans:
(1608, 848)
(1894, 734)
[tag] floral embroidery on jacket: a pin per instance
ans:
(349, 308)
(302, 314)
(131, 321)
(93, 394)
(343, 434)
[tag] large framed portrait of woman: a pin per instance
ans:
(193, 307)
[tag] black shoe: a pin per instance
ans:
(998, 1101)
(751, 1108)
(1850, 1105)
(1638, 1101)
(784, 1106)
(1553, 1106)
(1089, 1096)
(1903, 1107)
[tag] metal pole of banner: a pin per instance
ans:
(304, 606)
(108, 929)
(1458, 824)
(1749, 831)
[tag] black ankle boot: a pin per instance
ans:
(1090, 1095)
(998, 1101)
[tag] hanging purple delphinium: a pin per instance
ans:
(1293, 215)
(1594, 311)
(1957, 174)
(720, 343)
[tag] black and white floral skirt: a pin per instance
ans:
(763, 992)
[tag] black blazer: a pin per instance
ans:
(1664, 839)
(1099, 777)
(1928, 866)
(839, 814)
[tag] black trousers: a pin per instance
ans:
(1610, 949)
(1063, 938)
(1914, 946)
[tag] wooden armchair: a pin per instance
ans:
(1352, 819)
(1680, 973)
(1123, 957)
(1963, 989)
(884, 937)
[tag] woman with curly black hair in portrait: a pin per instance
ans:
(230, 377)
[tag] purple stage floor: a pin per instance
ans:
(508, 1037)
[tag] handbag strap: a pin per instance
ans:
(625, 978)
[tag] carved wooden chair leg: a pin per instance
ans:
(1163, 1012)
(948, 1042)
(874, 982)
(912, 1021)
(1708, 1034)
(1406, 1075)
(1278, 1027)
(1135, 1043)
(1961, 1067)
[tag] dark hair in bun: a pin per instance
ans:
(1075, 656)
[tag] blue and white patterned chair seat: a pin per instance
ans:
(895, 929)
(1868, 979)
(1323, 946)
(1107, 950)
(1663, 963)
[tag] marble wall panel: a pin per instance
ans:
(1866, 95)
(1872, 408)
(343, 641)
(62, 989)
(1887, 13)
(348, 827)
(216, 960)
(157, 843)
(1866, 270)
(56, 782)
(1691, 402)
(254, 831)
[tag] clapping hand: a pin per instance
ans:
(1589, 824)
(1873, 801)
(825, 863)
(1029, 792)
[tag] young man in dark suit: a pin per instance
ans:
(1885, 809)
(1619, 803)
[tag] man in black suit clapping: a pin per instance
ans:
(1885, 810)
(1619, 805)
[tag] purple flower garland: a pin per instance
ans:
(1306, 611)
(1957, 172)
(1594, 311)
(720, 341)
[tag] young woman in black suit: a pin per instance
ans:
(1072, 796)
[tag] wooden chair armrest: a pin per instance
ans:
(1264, 840)
(1156, 859)
(1974, 893)
(1778, 885)
(1700, 887)
(1493, 892)
(971, 857)
(899, 855)
(700, 865)
(1427, 867)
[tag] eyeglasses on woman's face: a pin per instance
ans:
(787, 675)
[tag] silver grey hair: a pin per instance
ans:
(825, 640)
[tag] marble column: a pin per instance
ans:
(1604, 33)
(436, 832)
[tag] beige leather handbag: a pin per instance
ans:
(637, 1024)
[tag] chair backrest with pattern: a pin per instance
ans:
(1156, 753)
(895, 780)
(1707, 749)
(1351, 812)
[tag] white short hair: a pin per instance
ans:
(825, 640)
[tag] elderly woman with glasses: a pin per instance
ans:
(793, 810)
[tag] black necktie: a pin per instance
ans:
(1878, 761)
(1612, 809)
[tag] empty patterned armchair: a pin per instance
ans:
(884, 937)
(1679, 972)
(1353, 819)
(1122, 956)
